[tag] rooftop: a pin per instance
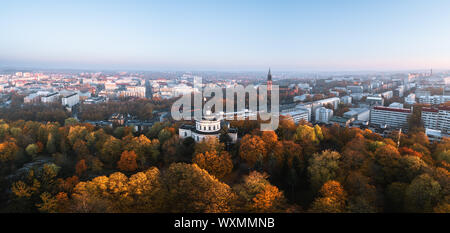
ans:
(404, 110)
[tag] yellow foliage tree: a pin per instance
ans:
(217, 165)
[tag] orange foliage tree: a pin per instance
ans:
(127, 161)
(81, 167)
(217, 165)
(332, 198)
(252, 149)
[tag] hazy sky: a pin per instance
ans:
(226, 35)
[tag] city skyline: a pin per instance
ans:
(232, 35)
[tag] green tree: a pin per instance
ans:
(422, 194)
(32, 150)
(323, 167)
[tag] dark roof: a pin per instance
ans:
(393, 109)
(189, 127)
(71, 95)
(52, 94)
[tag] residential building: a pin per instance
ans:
(355, 89)
(410, 99)
(323, 114)
(50, 98)
(361, 114)
(437, 118)
(375, 100)
(346, 99)
(297, 115)
(392, 117)
(70, 100)
(434, 99)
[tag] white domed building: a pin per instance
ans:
(209, 126)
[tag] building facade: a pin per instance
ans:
(50, 98)
(323, 114)
(70, 100)
(437, 118)
(206, 128)
(434, 99)
(297, 115)
(392, 117)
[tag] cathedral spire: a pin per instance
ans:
(269, 76)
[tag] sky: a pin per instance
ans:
(319, 35)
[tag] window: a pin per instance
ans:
(209, 128)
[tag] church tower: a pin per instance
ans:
(269, 81)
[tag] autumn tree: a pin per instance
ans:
(70, 121)
(422, 194)
(332, 199)
(386, 166)
(286, 129)
(81, 167)
(362, 194)
(8, 151)
(257, 195)
(192, 189)
(146, 150)
(210, 144)
(32, 150)
(127, 161)
(307, 137)
(252, 149)
(218, 165)
(51, 143)
(323, 167)
(111, 151)
(395, 197)
(117, 193)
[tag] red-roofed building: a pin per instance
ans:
(437, 118)
(392, 117)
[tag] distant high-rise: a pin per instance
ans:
(269, 81)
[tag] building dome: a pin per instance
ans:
(207, 126)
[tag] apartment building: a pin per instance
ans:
(70, 100)
(392, 117)
(437, 118)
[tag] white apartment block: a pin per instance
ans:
(346, 99)
(437, 118)
(32, 98)
(334, 102)
(134, 91)
(410, 99)
(50, 98)
(387, 94)
(360, 114)
(392, 117)
(434, 99)
(297, 115)
(71, 100)
(323, 114)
